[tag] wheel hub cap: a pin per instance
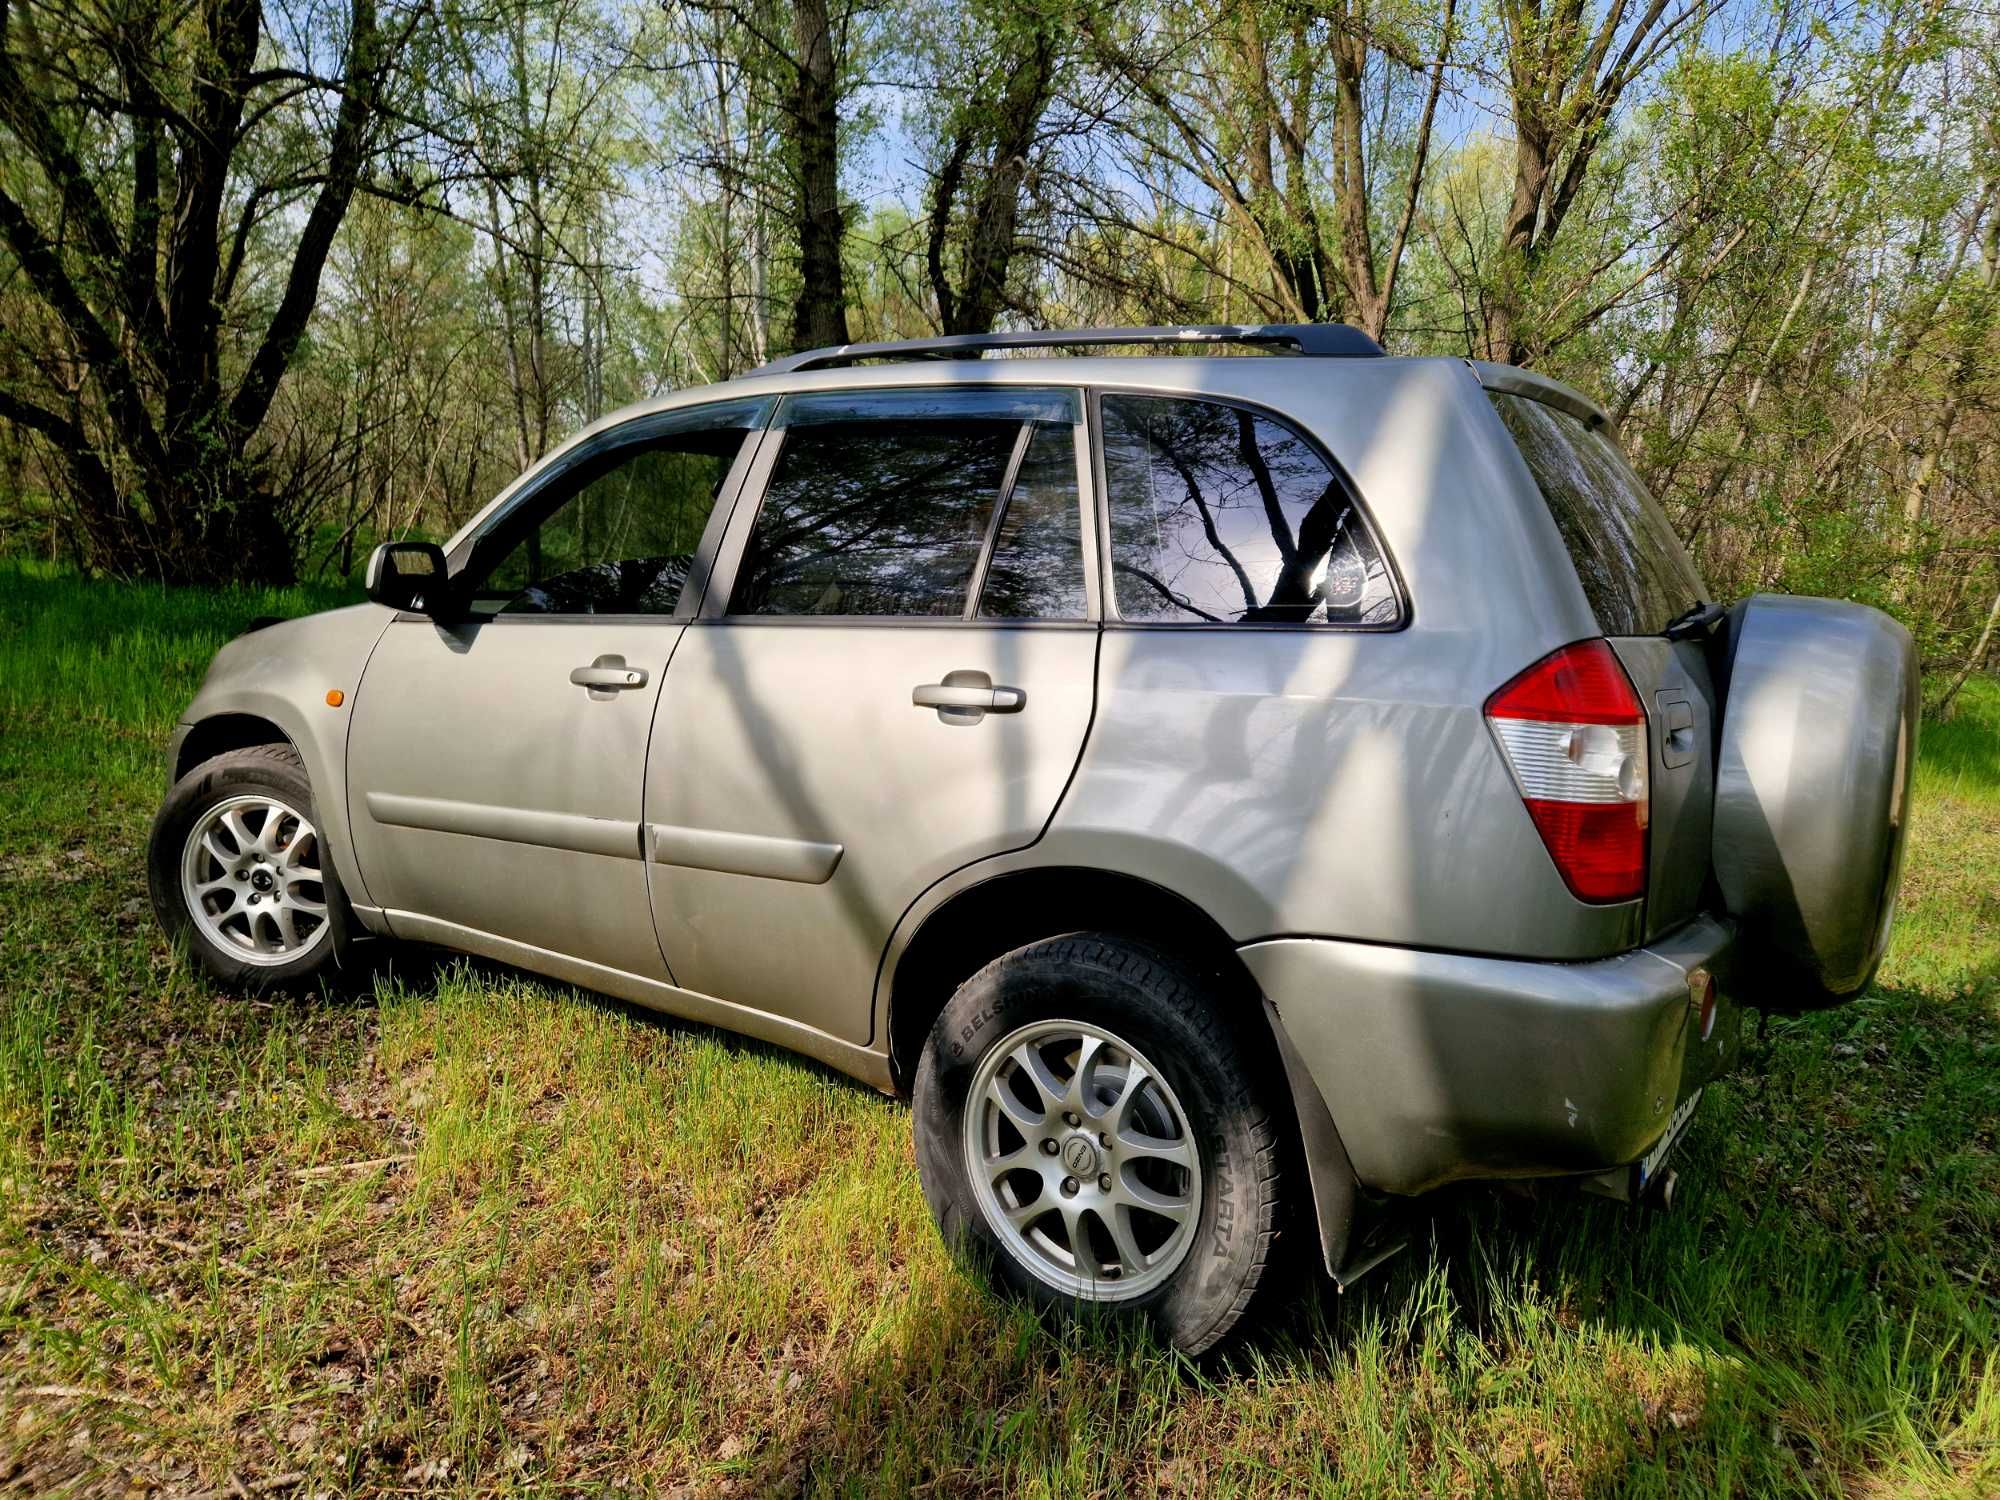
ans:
(1080, 1157)
(1082, 1160)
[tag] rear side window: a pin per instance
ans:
(1226, 516)
(884, 504)
(1633, 569)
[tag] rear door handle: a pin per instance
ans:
(967, 697)
(608, 674)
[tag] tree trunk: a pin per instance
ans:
(819, 316)
(1350, 173)
(1012, 123)
(1564, 84)
(1958, 386)
(1947, 703)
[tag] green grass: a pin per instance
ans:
(476, 1233)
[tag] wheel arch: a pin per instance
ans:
(237, 720)
(981, 921)
(218, 734)
(978, 923)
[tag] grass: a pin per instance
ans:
(475, 1233)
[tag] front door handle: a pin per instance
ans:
(967, 697)
(607, 675)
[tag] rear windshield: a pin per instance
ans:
(1633, 569)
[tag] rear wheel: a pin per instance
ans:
(1087, 1125)
(236, 865)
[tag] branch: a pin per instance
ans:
(350, 132)
(1418, 165)
(93, 477)
(30, 118)
(43, 267)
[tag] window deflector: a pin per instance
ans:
(559, 482)
(1059, 406)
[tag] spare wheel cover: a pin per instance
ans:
(1819, 735)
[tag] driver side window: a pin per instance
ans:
(616, 534)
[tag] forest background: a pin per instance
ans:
(278, 280)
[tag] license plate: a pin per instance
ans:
(1676, 1127)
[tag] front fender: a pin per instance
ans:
(283, 674)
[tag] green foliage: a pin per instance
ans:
(1769, 245)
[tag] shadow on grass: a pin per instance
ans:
(1818, 1302)
(421, 968)
(1822, 1289)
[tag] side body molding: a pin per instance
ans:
(515, 825)
(802, 860)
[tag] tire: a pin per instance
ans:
(250, 810)
(1812, 782)
(1195, 1270)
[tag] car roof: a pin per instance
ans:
(1179, 372)
(1232, 375)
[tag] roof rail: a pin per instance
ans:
(1325, 340)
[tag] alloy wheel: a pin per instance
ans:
(1082, 1160)
(252, 880)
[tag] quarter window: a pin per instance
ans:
(884, 504)
(1037, 567)
(1633, 569)
(1227, 516)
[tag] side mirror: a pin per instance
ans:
(409, 575)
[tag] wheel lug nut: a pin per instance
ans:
(1069, 1187)
(242, 874)
(1104, 1181)
(1070, 1118)
(1049, 1147)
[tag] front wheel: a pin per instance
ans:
(1088, 1126)
(236, 865)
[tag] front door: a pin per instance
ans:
(897, 682)
(496, 762)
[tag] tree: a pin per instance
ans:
(997, 69)
(819, 317)
(539, 83)
(153, 157)
(1232, 96)
(1565, 78)
(801, 57)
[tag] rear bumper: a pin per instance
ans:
(1439, 1066)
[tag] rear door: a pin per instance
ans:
(1638, 578)
(892, 677)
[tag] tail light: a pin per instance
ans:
(1574, 735)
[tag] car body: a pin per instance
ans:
(806, 794)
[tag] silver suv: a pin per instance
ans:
(1223, 792)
